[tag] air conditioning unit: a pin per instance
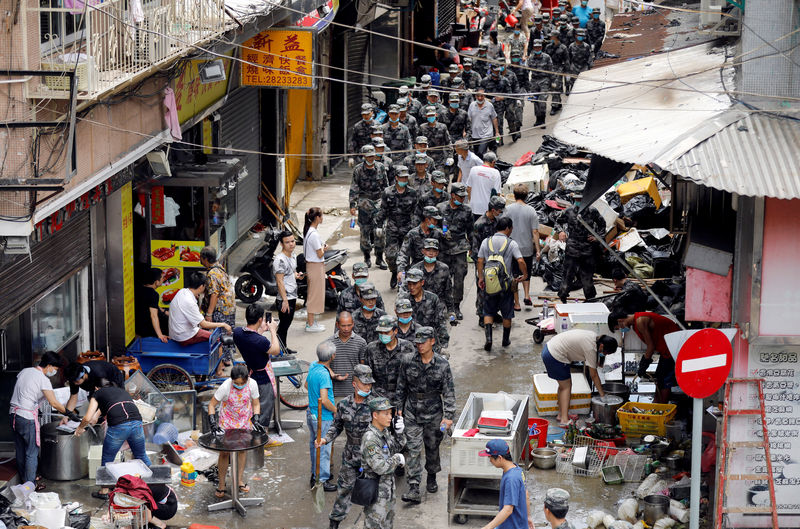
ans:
(151, 41)
(17, 245)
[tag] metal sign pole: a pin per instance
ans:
(697, 442)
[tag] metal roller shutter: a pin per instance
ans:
(445, 15)
(240, 128)
(23, 280)
(355, 62)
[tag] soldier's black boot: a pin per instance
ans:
(334, 524)
(367, 259)
(487, 330)
(413, 495)
(539, 121)
(379, 261)
(393, 280)
(432, 486)
(506, 336)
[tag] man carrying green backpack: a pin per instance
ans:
(495, 260)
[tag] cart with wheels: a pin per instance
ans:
(473, 483)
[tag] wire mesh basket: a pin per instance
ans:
(127, 512)
(596, 453)
(632, 466)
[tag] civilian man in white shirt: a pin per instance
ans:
(187, 325)
(465, 159)
(480, 182)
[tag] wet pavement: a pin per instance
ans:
(284, 479)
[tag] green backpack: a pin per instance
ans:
(495, 275)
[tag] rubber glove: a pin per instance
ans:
(257, 426)
(216, 429)
(644, 363)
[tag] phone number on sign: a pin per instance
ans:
(282, 80)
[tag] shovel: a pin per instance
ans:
(317, 492)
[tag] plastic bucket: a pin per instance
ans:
(537, 429)
(511, 20)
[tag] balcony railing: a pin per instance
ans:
(110, 42)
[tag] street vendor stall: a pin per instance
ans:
(474, 484)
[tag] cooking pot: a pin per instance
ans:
(605, 408)
(619, 389)
(656, 506)
(63, 456)
(543, 458)
(255, 459)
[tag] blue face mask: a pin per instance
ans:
(437, 190)
(431, 119)
(369, 309)
(402, 184)
(405, 320)
(516, 32)
(363, 394)
(584, 3)
(624, 329)
(385, 338)
(453, 105)
(580, 39)
(537, 52)
(457, 202)
(596, 16)
(395, 120)
(360, 280)
(237, 386)
(431, 226)
(429, 260)
(420, 152)
(515, 60)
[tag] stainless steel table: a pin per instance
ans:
(234, 441)
(162, 474)
(285, 368)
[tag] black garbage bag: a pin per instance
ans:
(7, 516)
(80, 521)
(612, 197)
(639, 206)
(552, 145)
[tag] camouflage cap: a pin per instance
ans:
(403, 306)
(402, 102)
(497, 202)
(556, 497)
(420, 158)
(363, 373)
(438, 177)
(394, 109)
(377, 129)
(368, 150)
(430, 111)
(430, 244)
(378, 143)
(360, 270)
(386, 323)
(455, 96)
(425, 79)
(424, 334)
(574, 19)
(453, 68)
(432, 92)
(596, 10)
(466, 61)
(401, 171)
(414, 275)
(421, 139)
(563, 18)
(483, 47)
(366, 108)
(537, 43)
(368, 291)
(517, 53)
(459, 188)
(380, 404)
(432, 212)
(537, 18)
(403, 90)
(545, 16)
(580, 32)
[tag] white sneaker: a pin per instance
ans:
(315, 328)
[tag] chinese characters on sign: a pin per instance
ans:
(284, 58)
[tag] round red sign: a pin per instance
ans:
(703, 363)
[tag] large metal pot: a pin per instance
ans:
(255, 459)
(605, 408)
(656, 506)
(619, 389)
(63, 456)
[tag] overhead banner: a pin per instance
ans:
(280, 58)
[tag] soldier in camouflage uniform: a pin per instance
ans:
(396, 135)
(456, 119)
(361, 131)
(353, 417)
(422, 88)
(537, 32)
(496, 86)
(580, 56)
(452, 73)
(547, 23)
(435, 273)
(380, 457)
(596, 31)
(406, 326)
(513, 111)
(484, 227)
(426, 396)
(420, 147)
(420, 180)
(540, 80)
(438, 137)
(429, 310)
(406, 118)
(565, 29)
(432, 101)
(582, 250)
(350, 298)
(369, 181)
(380, 152)
(465, 98)
(383, 356)
(376, 132)
(520, 72)
(517, 42)
(559, 54)
(365, 320)
(471, 78)
(432, 197)
(457, 216)
(397, 202)
(411, 250)
(556, 507)
(480, 64)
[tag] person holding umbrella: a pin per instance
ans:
(239, 409)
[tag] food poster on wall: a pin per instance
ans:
(779, 368)
(176, 253)
(171, 283)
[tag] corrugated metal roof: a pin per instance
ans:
(638, 110)
(755, 156)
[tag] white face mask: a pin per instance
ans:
(51, 373)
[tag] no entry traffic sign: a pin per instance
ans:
(703, 363)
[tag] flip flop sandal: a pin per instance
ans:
(39, 486)
(99, 495)
(528, 302)
(219, 493)
(244, 489)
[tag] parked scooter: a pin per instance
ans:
(257, 278)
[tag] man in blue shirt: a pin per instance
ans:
(513, 492)
(320, 387)
(256, 350)
(583, 12)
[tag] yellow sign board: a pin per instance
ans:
(175, 253)
(172, 282)
(281, 58)
(127, 263)
(191, 96)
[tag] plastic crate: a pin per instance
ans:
(596, 454)
(638, 424)
(83, 75)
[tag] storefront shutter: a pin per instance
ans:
(23, 280)
(356, 63)
(240, 127)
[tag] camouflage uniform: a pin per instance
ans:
(472, 79)
(360, 136)
(580, 56)
(397, 139)
(517, 43)
(427, 395)
(378, 449)
(596, 30)
(414, 109)
(513, 106)
(365, 194)
(460, 227)
(497, 86)
(411, 123)
(365, 327)
(408, 161)
(422, 186)
(411, 250)
(385, 365)
(458, 124)
(352, 418)
(350, 301)
(437, 281)
(484, 227)
(580, 253)
(560, 57)
(566, 32)
(428, 199)
(396, 211)
(409, 334)
(481, 67)
(438, 141)
(430, 311)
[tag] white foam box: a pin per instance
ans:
(96, 457)
(590, 314)
(535, 176)
(545, 395)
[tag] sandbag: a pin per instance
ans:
(608, 521)
(628, 510)
(620, 524)
(664, 523)
(595, 519)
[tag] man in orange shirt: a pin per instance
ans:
(651, 329)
